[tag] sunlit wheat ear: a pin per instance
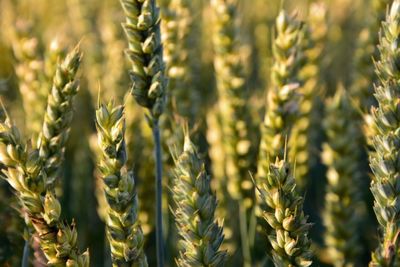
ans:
(140, 145)
(232, 94)
(233, 111)
(145, 53)
(341, 155)
(384, 158)
(30, 73)
(282, 209)
(124, 233)
(113, 66)
(302, 143)
(364, 76)
(26, 174)
(200, 234)
(179, 35)
(283, 97)
(58, 116)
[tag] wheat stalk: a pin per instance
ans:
(201, 236)
(385, 156)
(123, 229)
(342, 200)
(146, 55)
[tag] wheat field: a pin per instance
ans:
(200, 133)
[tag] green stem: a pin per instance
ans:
(159, 231)
(243, 235)
(252, 227)
(25, 256)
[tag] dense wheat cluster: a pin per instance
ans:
(200, 133)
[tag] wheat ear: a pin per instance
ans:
(179, 40)
(142, 28)
(58, 116)
(123, 229)
(342, 200)
(302, 142)
(27, 175)
(282, 99)
(283, 211)
(29, 70)
(201, 236)
(232, 104)
(385, 156)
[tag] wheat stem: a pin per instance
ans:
(25, 255)
(244, 234)
(158, 173)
